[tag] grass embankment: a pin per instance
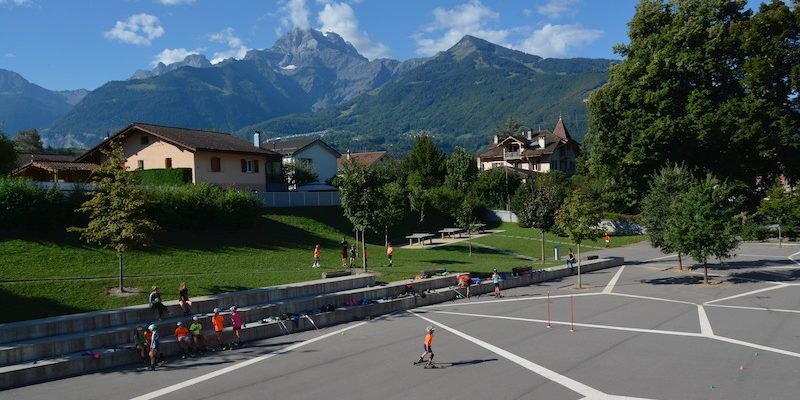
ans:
(49, 274)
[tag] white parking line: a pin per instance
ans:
(778, 285)
(234, 367)
(756, 346)
(613, 282)
(755, 308)
(636, 296)
(705, 324)
(472, 303)
(596, 326)
(661, 258)
(569, 383)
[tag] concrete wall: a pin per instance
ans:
(154, 153)
(230, 174)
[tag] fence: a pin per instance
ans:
(299, 199)
(500, 215)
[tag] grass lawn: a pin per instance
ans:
(47, 274)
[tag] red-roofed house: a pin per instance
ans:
(369, 159)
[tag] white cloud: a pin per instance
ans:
(340, 18)
(169, 56)
(553, 40)
(16, 2)
(296, 14)
(554, 9)
(175, 2)
(449, 26)
(9, 55)
(236, 47)
(139, 29)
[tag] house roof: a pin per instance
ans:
(24, 158)
(561, 130)
(193, 140)
(366, 158)
(530, 147)
(58, 166)
(288, 147)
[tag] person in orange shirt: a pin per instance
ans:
(389, 252)
(219, 323)
(463, 282)
(316, 257)
(427, 346)
(182, 334)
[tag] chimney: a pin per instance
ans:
(257, 139)
(530, 134)
(496, 139)
(541, 141)
(348, 154)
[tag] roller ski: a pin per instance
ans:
(459, 295)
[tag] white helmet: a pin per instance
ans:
(152, 327)
(430, 329)
(216, 309)
(195, 318)
(233, 308)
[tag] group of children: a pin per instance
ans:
(350, 254)
(190, 339)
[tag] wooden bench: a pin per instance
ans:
(427, 273)
(334, 274)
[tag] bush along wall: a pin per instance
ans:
(164, 176)
(202, 206)
(26, 206)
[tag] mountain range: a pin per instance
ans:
(311, 81)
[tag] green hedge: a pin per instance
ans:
(26, 206)
(202, 206)
(165, 176)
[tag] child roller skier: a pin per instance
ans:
(427, 346)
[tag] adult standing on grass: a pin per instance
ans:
(496, 282)
(344, 246)
(353, 256)
(316, 257)
(155, 345)
(155, 302)
(183, 299)
(389, 252)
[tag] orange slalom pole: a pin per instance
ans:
(548, 310)
(572, 313)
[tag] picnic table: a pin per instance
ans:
(479, 227)
(420, 237)
(451, 232)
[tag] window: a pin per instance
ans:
(145, 139)
(215, 164)
(140, 164)
(168, 162)
(250, 166)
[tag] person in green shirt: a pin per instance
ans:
(140, 342)
(197, 335)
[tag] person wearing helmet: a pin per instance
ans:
(140, 342)
(155, 345)
(197, 335)
(427, 346)
(182, 334)
(236, 322)
(496, 281)
(219, 323)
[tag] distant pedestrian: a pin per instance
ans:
(219, 324)
(353, 256)
(236, 322)
(140, 341)
(155, 345)
(426, 345)
(196, 328)
(155, 302)
(182, 335)
(344, 246)
(316, 257)
(571, 259)
(608, 239)
(496, 282)
(389, 252)
(183, 299)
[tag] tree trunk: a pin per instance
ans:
(580, 285)
(386, 236)
(121, 287)
(364, 249)
(780, 244)
(705, 272)
(542, 246)
(469, 240)
(680, 261)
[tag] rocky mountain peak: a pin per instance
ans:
(192, 60)
(300, 41)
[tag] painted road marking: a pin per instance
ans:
(214, 374)
(777, 286)
(472, 303)
(661, 258)
(705, 324)
(636, 296)
(569, 383)
(755, 308)
(610, 287)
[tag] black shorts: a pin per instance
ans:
(497, 284)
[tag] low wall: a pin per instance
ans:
(299, 199)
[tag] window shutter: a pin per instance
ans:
(244, 165)
(255, 166)
(215, 167)
(167, 163)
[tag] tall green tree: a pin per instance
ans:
(704, 222)
(538, 203)
(509, 127)
(781, 207)
(495, 185)
(299, 173)
(117, 210)
(462, 169)
(361, 198)
(392, 207)
(29, 141)
(579, 217)
(706, 83)
(426, 160)
(465, 218)
(669, 183)
(8, 155)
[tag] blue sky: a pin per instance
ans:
(84, 43)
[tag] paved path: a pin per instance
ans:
(644, 330)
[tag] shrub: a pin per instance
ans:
(26, 206)
(752, 231)
(202, 206)
(165, 176)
